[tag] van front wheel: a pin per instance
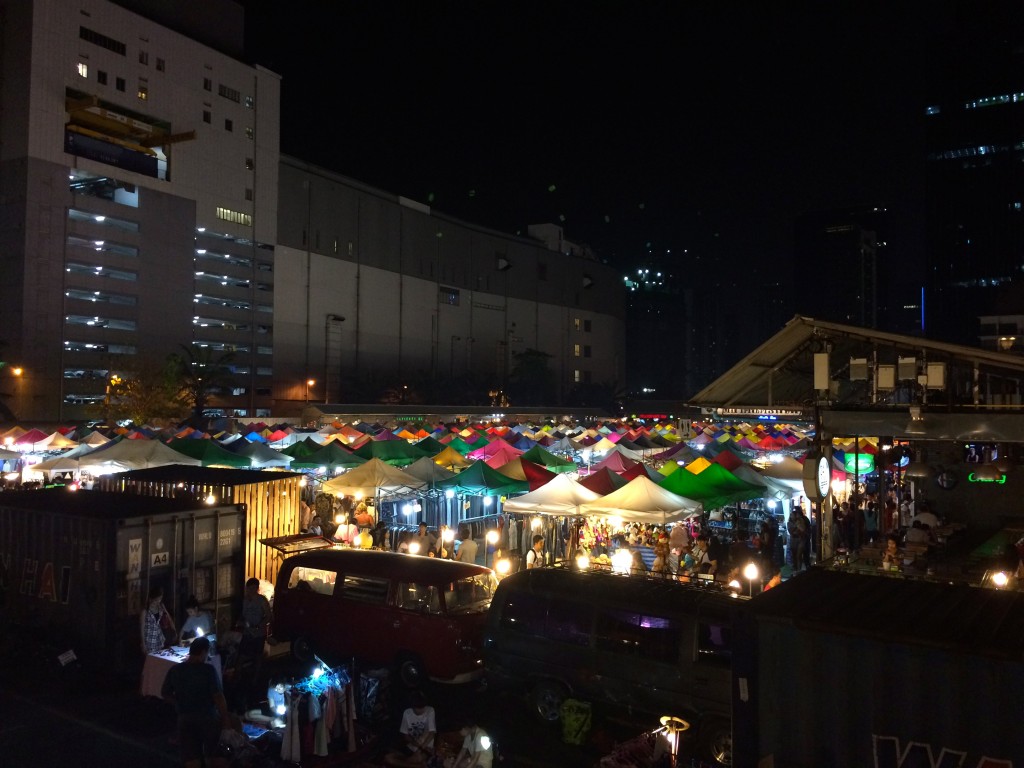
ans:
(546, 698)
(716, 742)
(410, 670)
(302, 648)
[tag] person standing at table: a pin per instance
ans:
(195, 690)
(155, 623)
(255, 619)
(467, 550)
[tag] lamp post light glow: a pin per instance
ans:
(309, 383)
(672, 727)
(1000, 579)
(492, 540)
(414, 548)
(751, 573)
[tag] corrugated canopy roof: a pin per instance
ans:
(780, 372)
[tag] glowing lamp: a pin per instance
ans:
(503, 566)
(487, 501)
(414, 548)
(750, 571)
(485, 742)
(448, 535)
(622, 561)
(449, 494)
(735, 585)
(859, 463)
(211, 499)
(492, 537)
(1000, 579)
(199, 631)
(536, 523)
(317, 673)
(583, 562)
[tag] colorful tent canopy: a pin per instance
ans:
(452, 459)
(133, 454)
(714, 487)
(397, 453)
(333, 456)
(521, 469)
(262, 455)
(210, 453)
(481, 479)
(642, 470)
(547, 459)
(430, 472)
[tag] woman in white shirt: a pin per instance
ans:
(476, 752)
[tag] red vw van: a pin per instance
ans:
(423, 615)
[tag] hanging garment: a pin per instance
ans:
(291, 750)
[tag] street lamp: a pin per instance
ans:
(309, 383)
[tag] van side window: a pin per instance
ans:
(558, 620)
(365, 589)
(312, 580)
(421, 598)
(714, 643)
(633, 634)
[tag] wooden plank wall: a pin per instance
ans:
(272, 509)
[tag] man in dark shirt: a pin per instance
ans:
(195, 690)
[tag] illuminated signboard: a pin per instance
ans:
(859, 463)
(972, 478)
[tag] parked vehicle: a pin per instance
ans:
(842, 669)
(424, 615)
(642, 644)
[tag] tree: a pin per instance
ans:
(149, 394)
(200, 375)
(531, 381)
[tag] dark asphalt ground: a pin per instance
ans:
(84, 715)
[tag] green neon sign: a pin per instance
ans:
(972, 479)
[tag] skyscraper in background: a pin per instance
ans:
(974, 122)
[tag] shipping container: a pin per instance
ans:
(80, 564)
(839, 669)
(271, 498)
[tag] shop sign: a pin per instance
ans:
(972, 478)
(859, 463)
(889, 751)
(159, 559)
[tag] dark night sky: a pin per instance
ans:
(657, 123)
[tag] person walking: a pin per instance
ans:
(194, 689)
(798, 527)
(535, 557)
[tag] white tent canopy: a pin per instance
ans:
(559, 496)
(642, 500)
(788, 471)
(369, 478)
(262, 456)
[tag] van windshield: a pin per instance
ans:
(472, 593)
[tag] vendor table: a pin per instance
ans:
(157, 665)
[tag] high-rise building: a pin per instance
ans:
(974, 119)
(140, 207)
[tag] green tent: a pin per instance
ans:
(302, 448)
(480, 479)
(463, 447)
(332, 456)
(430, 446)
(548, 460)
(714, 487)
(397, 453)
(211, 453)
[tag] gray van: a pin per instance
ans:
(641, 644)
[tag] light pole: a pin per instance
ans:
(309, 383)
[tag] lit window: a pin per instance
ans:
(577, 350)
(249, 164)
(143, 92)
(577, 323)
(83, 69)
(577, 376)
(227, 214)
(249, 133)
(248, 102)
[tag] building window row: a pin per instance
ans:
(229, 93)
(101, 297)
(448, 295)
(98, 270)
(235, 282)
(212, 322)
(124, 225)
(223, 258)
(581, 324)
(95, 321)
(218, 301)
(86, 374)
(104, 246)
(110, 349)
(992, 101)
(221, 346)
(235, 217)
(103, 187)
(101, 40)
(581, 350)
